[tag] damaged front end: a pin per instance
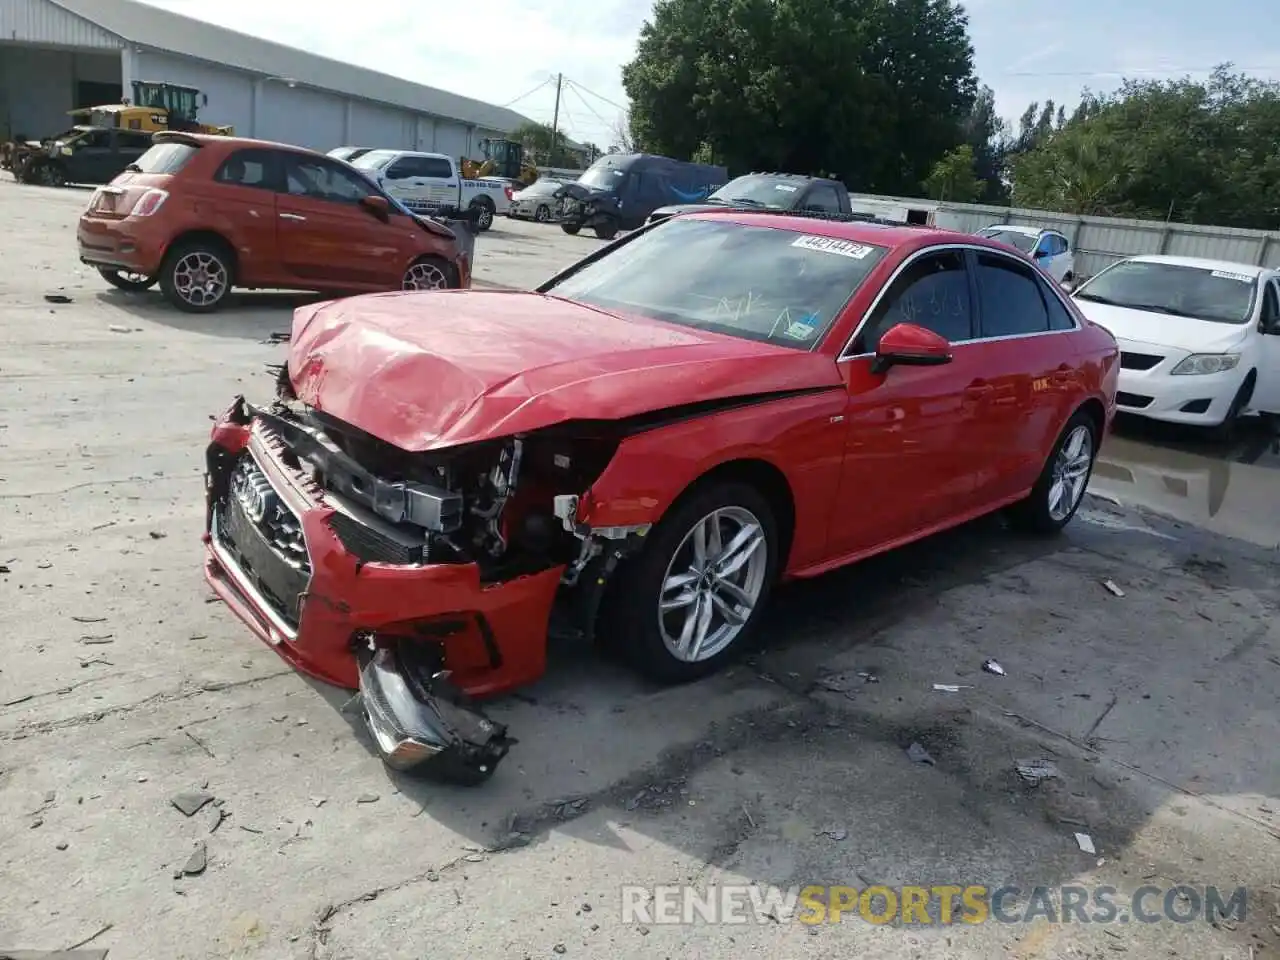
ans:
(420, 579)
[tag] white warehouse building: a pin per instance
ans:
(58, 55)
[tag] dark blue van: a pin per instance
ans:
(619, 191)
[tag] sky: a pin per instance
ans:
(507, 52)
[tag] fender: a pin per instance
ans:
(800, 436)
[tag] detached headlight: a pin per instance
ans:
(1207, 363)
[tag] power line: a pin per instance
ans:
(1132, 72)
(530, 93)
(583, 100)
(616, 106)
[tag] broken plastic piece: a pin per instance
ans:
(948, 687)
(918, 754)
(1085, 842)
(1112, 588)
(991, 666)
(1036, 771)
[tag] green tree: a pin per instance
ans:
(952, 178)
(1202, 152)
(875, 90)
(537, 137)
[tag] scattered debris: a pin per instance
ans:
(44, 565)
(197, 862)
(1112, 588)
(57, 298)
(950, 687)
(367, 798)
(17, 700)
(1085, 842)
(91, 639)
(247, 829)
(219, 814)
(201, 744)
(474, 858)
(157, 535)
(37, 823)
(319, 801)
(746, 813)
(559, 948)
(991, 666)
(4, 568)
(62, 845)
(116, 328)
(89, 619)
(868, 676)
(834, 833)
(1037, 771)
(918, 754)
(191, 802)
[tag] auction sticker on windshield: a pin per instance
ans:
(1227, 275)
(843, 248)
(785, 187)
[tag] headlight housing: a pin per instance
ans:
(1203, 363)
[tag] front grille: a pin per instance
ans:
(1132, 399)
(371, 546)
(264, 537)
(1138, 361)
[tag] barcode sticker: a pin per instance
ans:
(1228, 275)
(844, 248)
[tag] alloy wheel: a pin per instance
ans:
(712, 584)
(1070, 472)
(425, 276)
(200, 278)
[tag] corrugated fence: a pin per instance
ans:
(1100, 241)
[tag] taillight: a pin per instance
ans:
(508, 191)
(149, 203)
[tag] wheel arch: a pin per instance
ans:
(1097, 413)
(765, 477)
(206, 235)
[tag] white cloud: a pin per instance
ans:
(495, 51)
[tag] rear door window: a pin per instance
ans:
(1009, 297)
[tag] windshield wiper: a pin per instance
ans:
(134, 168)
(747, 200)
(1157, 308)
(1095, 299)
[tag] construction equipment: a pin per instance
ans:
(502, 158)
(155, 106)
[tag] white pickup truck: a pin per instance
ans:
(427, 182)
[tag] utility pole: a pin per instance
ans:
(555, 120)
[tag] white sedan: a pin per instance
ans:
(1048, 248)
(1199, 339)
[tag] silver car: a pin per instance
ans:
(537, 201)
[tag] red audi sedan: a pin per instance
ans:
(643, 447)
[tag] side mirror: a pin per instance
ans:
(908, 345)
(378, 206)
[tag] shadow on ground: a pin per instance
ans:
(246, 315)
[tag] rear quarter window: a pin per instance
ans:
(166, 158)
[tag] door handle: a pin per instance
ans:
(978, 389)
(292, 216)
(1062, 374)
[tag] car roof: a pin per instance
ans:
(1022, 229)
(856, 231)
(229, 143)
(1246, 269)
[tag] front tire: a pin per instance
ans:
(542, 214)
(428, 273)
(1060, 489)
(607, 230)
(1226, 430)
(197, 276)
(693, 598)
(571, 228)
(129, 282)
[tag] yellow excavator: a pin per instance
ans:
(155, 106)
(502, 158)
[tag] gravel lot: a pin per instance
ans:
(121, 686)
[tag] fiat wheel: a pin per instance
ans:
(692, 598)
(1060, 489)
(430, 273)
(197, 276)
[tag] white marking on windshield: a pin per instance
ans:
(844, 248)
(1227, 275)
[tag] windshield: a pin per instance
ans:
(1222, 296)
(759, 283)
(374, 159)
(602, 177)
(776, 193)
(541, 188)
(1021, 241)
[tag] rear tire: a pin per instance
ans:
(607, 230)
(197, 276)
(570, 228)
(130, 282)
(1060, 489)
(640, 618)
(484, 218)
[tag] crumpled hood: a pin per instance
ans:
(1162, 330)
(584, 194)
(437, 369)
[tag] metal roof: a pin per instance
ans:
(170, 32)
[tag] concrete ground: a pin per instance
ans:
(121, 687)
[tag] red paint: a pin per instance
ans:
(870, 458)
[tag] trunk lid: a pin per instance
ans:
(432, 370)
(116, 200)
